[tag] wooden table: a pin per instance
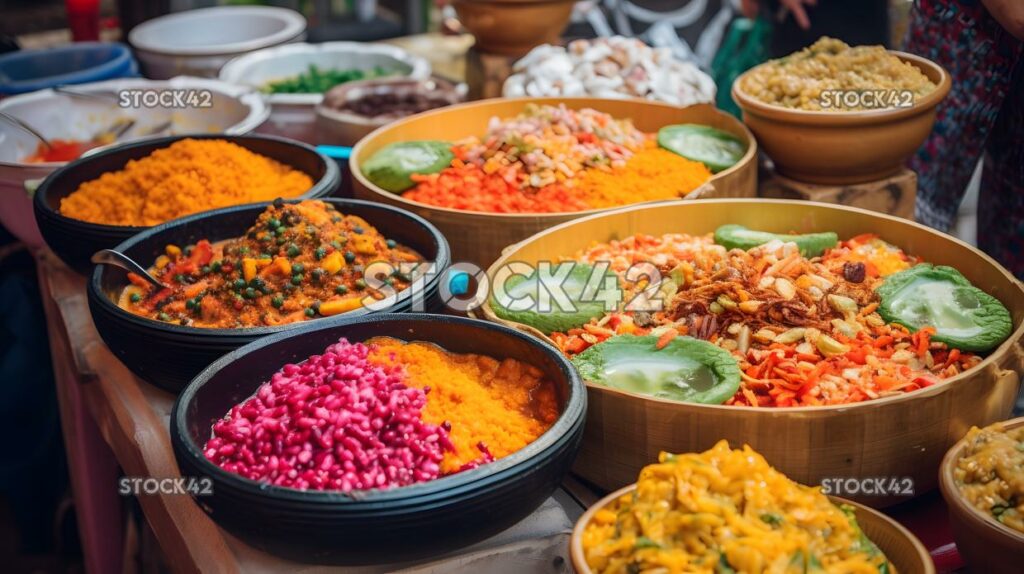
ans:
(115, 423)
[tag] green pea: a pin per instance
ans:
(296, 279)
(164, 317)
(239, 283)
(357, 230)
(310, 312)
(243, 249)
(273, 223)
(179, 278)
(205, 269)
(279, 231)
(281, 240)
(249, 293)
(298, 268)
(135, 298)
(360, 284)
(190, 305)
(319, 253)
(216, 265)
(293, 250)
(391, 243)
(350, 257)
(277, 301)
(336, 244)
(341, 289)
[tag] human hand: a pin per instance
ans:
(749, 9)
(1009, 14)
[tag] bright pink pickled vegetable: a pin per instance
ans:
(334, 422)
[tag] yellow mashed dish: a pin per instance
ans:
(823, 76)
(990, 474)
(726, 511)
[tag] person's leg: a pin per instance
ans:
(1001, 198)
(979, 56)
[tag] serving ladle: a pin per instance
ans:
(118, 259)
(26, 128)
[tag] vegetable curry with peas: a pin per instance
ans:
(297, 262)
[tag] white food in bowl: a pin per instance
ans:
(615, 67)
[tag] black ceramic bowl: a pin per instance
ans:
(425, 519)
(169, 355)
(74, 241)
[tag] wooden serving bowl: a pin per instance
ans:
(514, 27)
(902, 436)
(479, 237)
(836, 148)
(898, 544)
(986, 545)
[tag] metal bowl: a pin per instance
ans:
(292, 115)
(200, 42)
(228, 110)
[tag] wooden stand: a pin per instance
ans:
(894, 195)
(486, 73)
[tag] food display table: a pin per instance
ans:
(115, 423)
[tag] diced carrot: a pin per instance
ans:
(666, 338)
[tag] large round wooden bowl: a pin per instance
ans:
(836, 148)
(899, 545)
(901, 436)
(479, 237)
(986, 545)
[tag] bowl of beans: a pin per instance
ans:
(106, 197)
(236, 274)
(982, 480)
(351, 111)
(833, 114)
(391, 437)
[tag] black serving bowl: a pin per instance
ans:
(170, 355)
(75, 241)
(376, 526)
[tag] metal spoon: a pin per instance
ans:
(29, 129)
(111, 257)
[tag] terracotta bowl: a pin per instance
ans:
(514, 27)
(837, 148)
(986, 545)
(479, 237)
(901, 436)
(902, 548)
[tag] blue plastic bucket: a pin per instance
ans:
(30, 70)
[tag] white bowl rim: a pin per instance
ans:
(235, 70)
(259, 111)
(295, 24)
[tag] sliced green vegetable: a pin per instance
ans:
(686, 370)
(963, 316)
(733, 236)
(392, 165)
(525, 300)
(315, 80)
(717, 149)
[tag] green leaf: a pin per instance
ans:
(686, 370)
(963, 316)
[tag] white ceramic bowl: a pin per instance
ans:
(200, 42)
(294, 115)
(232, 110)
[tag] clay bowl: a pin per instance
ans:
(902, 548)
(986, 545)
(514, 27)
(837, 148)
(902, 436)
(479, 237)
